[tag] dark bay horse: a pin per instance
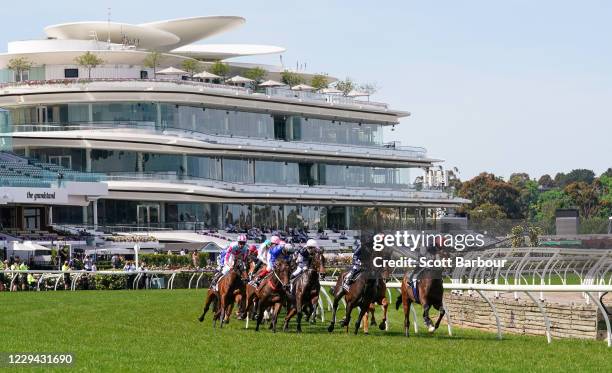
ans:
(430, 294)
(306, 290)
(380, 298)
(362, 293)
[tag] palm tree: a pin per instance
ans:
(19, 65)
(89, 61)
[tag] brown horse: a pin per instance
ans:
(380, 298)
(362, 293)
(430, 293)
(231, 290)
(306, 290)
(272, 292)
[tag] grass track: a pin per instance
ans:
(157, 330)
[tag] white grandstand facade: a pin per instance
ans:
(123, 144)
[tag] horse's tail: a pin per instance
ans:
(398, 301)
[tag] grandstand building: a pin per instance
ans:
(125, 143)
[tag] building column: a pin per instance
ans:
(347, 212)
(88, 160)
(50, 215)
(85, 215)
(95, 214)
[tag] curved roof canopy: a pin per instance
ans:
(213, 52)
(190, 30)
(119, 33)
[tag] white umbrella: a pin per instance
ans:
(271, 83)
(302, 87)
(206, 75)
(239, 79)
(171, 71)
(331, 91)
(355, 93)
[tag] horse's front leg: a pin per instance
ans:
(276, 311)
(292, 311)
(442, 313)
(426, 319)
(362, 312)
(332, 323)
(385, 307)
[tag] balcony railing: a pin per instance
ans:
(394, 191)
(390, 150)
(302, 96)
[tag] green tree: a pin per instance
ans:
(319, 81)
(257, 74)
(19, 65)
(534, 233)
(518, 179)
(584, 196)
(608, 172)
(546, 182)
(220, 68)
(192, 67)
(345, 86)
(580, 174)
(152, 61)
(291, 78)
(518, 236)
(89, 61)
(488, 188)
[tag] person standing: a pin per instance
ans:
(65, 269)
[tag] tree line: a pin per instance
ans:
(537, 200)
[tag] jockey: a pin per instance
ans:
(263, 252)
(220, 263)
(303, 257)
(355, 269)
(268, 255)
(235, 251)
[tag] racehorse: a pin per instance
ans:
(362, 293)
(306, 289)
(272, 292)
(380, 298)
(230, 290)
(430, 292)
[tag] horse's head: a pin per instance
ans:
(318, 261)
(282, 268)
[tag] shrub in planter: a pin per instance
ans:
(109, 282)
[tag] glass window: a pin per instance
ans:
(238, 170)
(71, 73)
(268, 217)
(109, 161)
(238, 216)
(270, 172)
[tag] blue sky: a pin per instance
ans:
(492, 86)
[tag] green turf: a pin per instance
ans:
(157, 330)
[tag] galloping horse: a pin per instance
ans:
(306, 289)
(272, 292)
(380, 298)
(231, 289)
(362, 293)
(430, 292)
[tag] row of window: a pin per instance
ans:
(247, 171)
(244, 216)
(201, 119)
